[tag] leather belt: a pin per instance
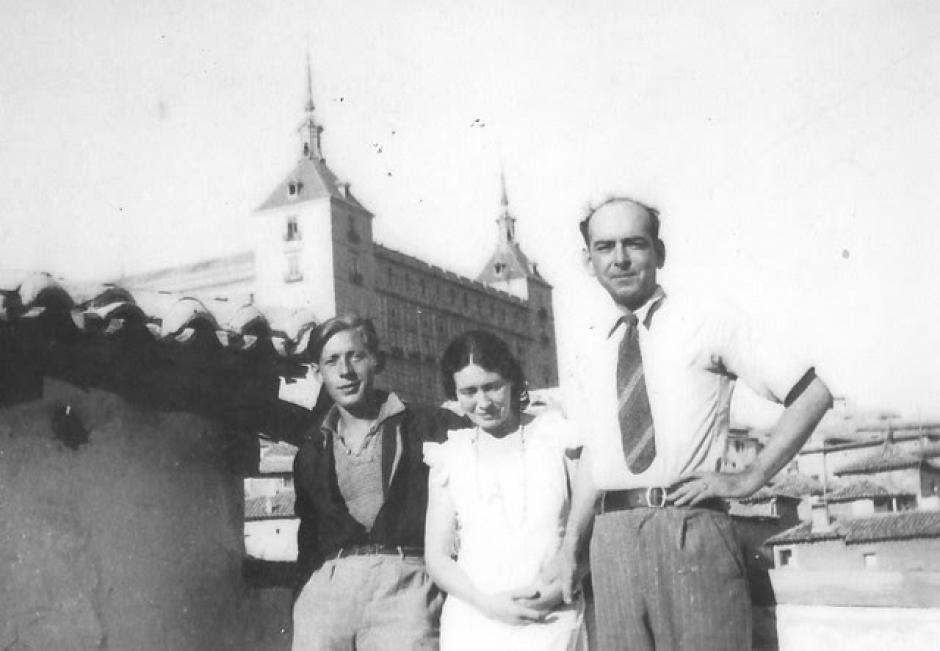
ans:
(653, 497)
(372, 549)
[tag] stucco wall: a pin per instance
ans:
(893, 555)
(131, 541)
(803, 628)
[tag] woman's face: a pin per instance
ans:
(486, 398)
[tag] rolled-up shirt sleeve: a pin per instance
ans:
(765, 365)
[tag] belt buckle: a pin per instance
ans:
(659, 503)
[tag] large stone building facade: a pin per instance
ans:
(314, 254)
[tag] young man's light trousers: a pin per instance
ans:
(378, 602)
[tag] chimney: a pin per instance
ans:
(268, 507)
(820, 520)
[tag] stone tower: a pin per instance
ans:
(312, 238)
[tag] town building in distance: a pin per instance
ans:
(314, 256)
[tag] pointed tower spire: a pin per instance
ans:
(310, 105)
(309, 130)
(508, 268)
(505, 221)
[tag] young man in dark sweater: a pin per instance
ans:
(361, 488)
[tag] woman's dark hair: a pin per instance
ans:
(349, 321)
(489, 352)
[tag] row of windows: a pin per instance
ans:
(440, 292)
(426, 331)
(413, 381)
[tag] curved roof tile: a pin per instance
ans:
(41, 290)
(108, 309)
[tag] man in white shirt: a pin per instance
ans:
(657, 375)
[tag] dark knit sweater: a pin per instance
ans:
(325, 523)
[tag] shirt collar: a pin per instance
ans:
(391, 406)
(644, 314)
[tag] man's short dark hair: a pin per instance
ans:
(349, 321)
(652, 213)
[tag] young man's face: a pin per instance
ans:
(622, 254)
(347, 369)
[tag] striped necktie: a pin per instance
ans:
(633, 406)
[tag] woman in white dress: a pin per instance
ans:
(497, 505)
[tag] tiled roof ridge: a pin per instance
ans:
(172, 354)
(182, 318)
(893, 526)
(790, 485)
(277, 506)
(889, 457)
(904, 525)
(862, 489)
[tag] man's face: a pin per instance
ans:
(622, 254)
(347, 369)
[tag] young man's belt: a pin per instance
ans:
(371, 550)
(653, 497)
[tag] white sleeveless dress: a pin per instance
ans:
(511, 513)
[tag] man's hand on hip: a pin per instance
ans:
(698, 486)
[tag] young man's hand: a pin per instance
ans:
(563, 573)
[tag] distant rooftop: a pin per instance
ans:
(860, 490)
(310, 179)
(792, 485)
(885, 526)
(889, 457)
(276, 506)
(277, 458)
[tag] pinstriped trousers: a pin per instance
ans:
(669, 578)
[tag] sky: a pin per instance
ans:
(793, 148)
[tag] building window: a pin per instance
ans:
(292, 234)
(293, 268)
(933, 488)
(294, 188)
(870, 560)
(351, 233)
(905, 503)
(355, 276)
(498, 267)
(784, 557)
